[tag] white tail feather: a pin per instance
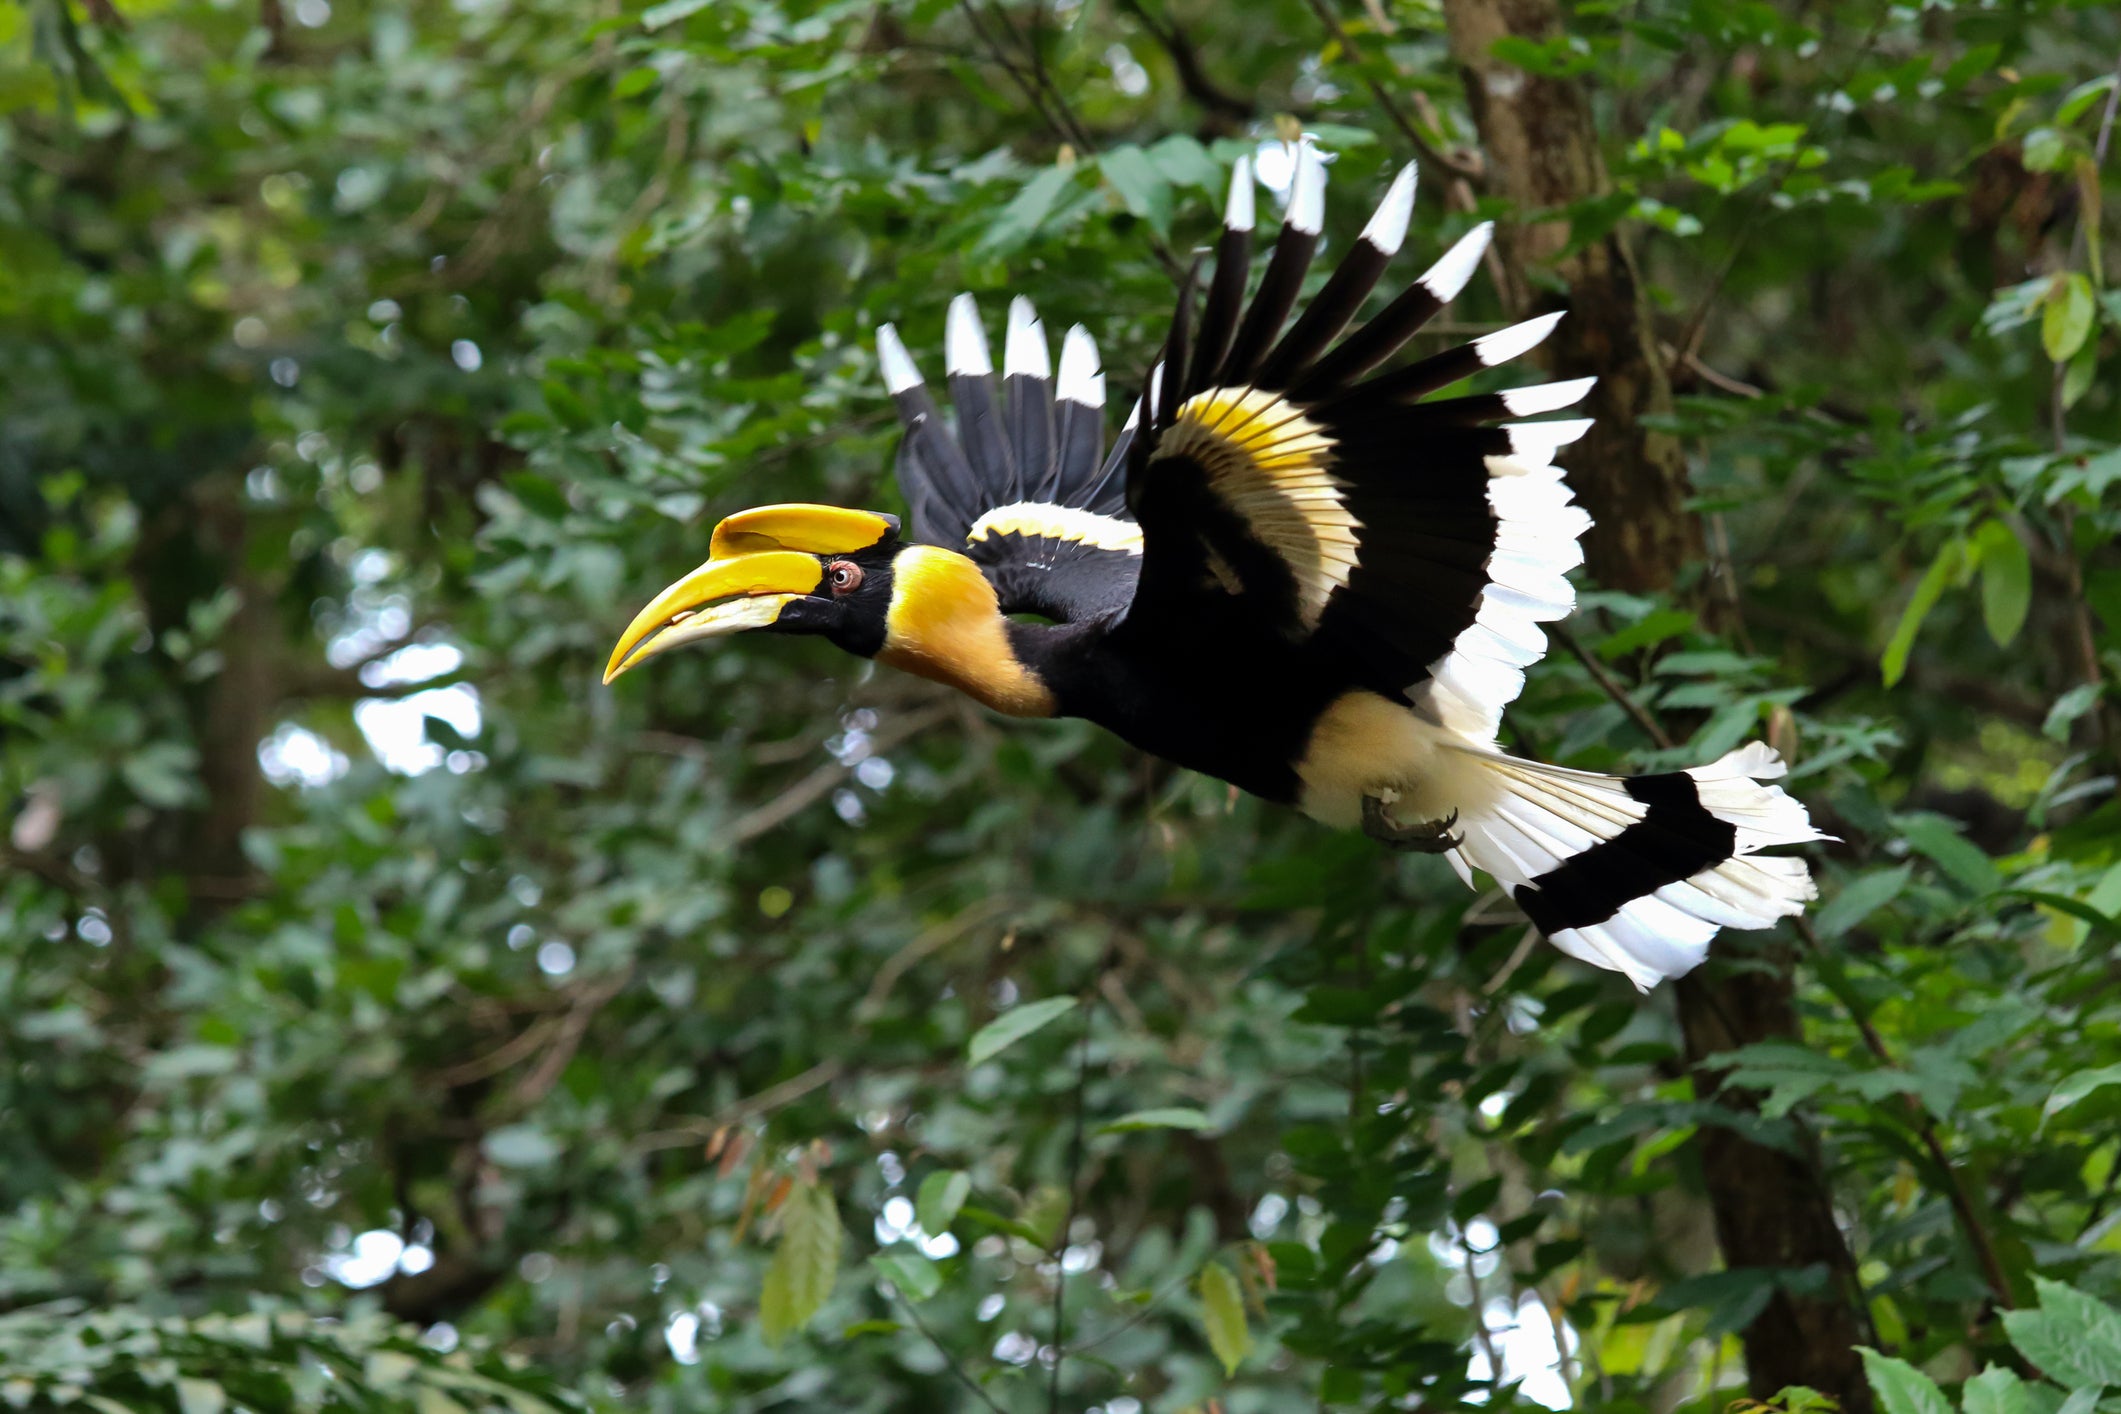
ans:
(1522, 821)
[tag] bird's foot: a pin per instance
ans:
(1426, 837)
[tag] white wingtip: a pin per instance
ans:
(1134, 417)
(1506, 344)
(964, 342)
(1389, 226)
(1080, 379)
(899, 372)
(1238, 215)
(1156, 390)
(1307, 198)
(1024, 351)
(1538, 441)
(1546, 397)
(1449, 275)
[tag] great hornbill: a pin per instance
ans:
(1289, 572)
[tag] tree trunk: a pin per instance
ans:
(1542, 151)
(1772, 1209)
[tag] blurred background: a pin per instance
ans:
(394, 1018)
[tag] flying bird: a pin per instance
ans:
(1290, 571)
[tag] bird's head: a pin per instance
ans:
(788, 569)
(844, 575)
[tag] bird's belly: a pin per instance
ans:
(1364, 744)
(1241, 721)
(1278, 731)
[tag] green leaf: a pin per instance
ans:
(2077, 378)
(635, 82)
(2081, 98)
(915, 1276)
(521, 1146)
(2079, 1085)
(1938, 838)
(2046, 150)
(1014, 1025)
(1973, 63)
(2084, 911)
(2006, 580)
(1020, 219)
(2068, 708)
(2074, 1336)
(161, 774)
(196, 1396)
(670, 12)
(1177, 1117)
(1184, 162)
(429, 1400)
(805, 1262)
(1948, 563)
(941, 1195)
(1043, 1213)
(1655, 628)
(1140, 185)
(1222, 1316)
(1861, 898)
(2066, 317)
(385, 1369)
(862, 1328)
(1900, 1387)
(1996, 1390)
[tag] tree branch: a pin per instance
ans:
(1192, 76)
(1468, 172)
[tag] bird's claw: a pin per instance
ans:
(1426, 837)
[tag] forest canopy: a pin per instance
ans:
(393, 1017)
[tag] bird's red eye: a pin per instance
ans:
(843, 575)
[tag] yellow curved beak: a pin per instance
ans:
(755, 586)
(821, 530)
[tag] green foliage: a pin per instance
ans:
(723, 1041)
(1222, 1316)
(2072, 1339)
(806, 1263)
(267, 1358)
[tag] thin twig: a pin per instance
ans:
(2106, 722)
(1031, 84)
(697, 1131)
(1977, 1235)
(1970, 1223)
(1075, 1164)
(1427, 150)
(764, 819)
(1480, 1315)
(1612, 688)
(1689, 340)
(1192, 76)
(948, 1359)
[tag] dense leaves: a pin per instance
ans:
(391, 1016)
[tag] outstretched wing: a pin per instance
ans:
(1415, 544)
(1024, 487)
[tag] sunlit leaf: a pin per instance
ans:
(1222, 1307)
(2066, 318)
(941, 1195)
(1014, 1025)
(2006, 580)
(2074, 1337)
(1901, 1388)
(1177, 1117)
(1949, 561)
(805, 1263)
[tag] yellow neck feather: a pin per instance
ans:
(945, 624)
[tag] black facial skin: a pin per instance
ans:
(852, 618)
